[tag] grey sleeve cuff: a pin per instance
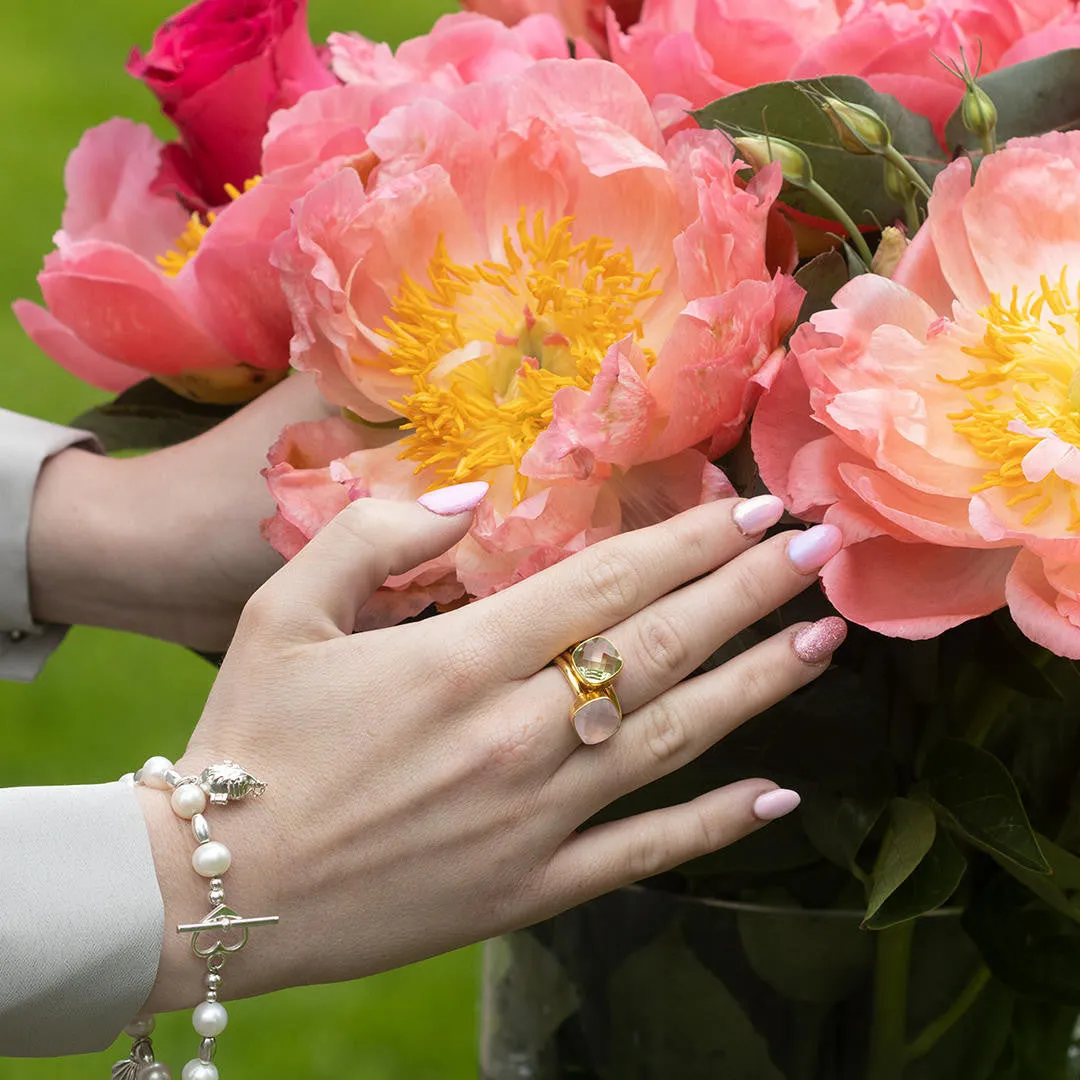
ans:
(81, 919)
(25, 445)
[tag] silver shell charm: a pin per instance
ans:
(142, 1053)
(229, 781)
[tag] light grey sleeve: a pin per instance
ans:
(25, 445)
(81, 917)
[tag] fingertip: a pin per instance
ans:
(754, 516)
(456, 499)
(776, 804)
(816, 642)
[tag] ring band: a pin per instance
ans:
(590, 668)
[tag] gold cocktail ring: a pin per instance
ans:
(590, 669)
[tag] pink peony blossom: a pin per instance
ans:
(686, 53)
(936, 418)
(461, 48)
(221, 68)
(138, 286)
(553, 299)
(584, 21)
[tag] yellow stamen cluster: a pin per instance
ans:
(173, 261)
(1030, 355)
(488, 345)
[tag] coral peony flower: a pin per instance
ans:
(138, 286)
(550, 299)
(461, 48)
(583, 21)
(686, 53)
(936, 417)
(221, 68)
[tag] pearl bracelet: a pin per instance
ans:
(212, 939)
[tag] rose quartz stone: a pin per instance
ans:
(596, 721)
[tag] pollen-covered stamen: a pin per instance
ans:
(487, 345)
(1024, 400)
(188, 242)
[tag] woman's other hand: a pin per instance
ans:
(426, 786)
(166, 544)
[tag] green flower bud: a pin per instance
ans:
(761, 150)
(897, 186)
(978, 113)
(859, 129)
(890, 250)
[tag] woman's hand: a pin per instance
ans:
(166, 544)
(426, 787)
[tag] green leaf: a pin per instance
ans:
(806, 957)
(932, 882)
(1030, 947)
(821, 277)
(696, 1021)
(855, 181)
(1031, 98)
(976, 797)
(1052, 889)
(910, 836)
(150, 416)
(838, 826)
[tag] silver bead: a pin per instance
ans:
(172, 777)
(213, 980)
(206, 1050)
(200, 828)
(154, 1071)
(211, 995)
(140, 1027)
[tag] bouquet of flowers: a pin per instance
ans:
(617, 260)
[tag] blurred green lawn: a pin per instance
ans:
(107, 701)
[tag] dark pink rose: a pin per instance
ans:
(220, 69)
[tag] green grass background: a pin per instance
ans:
(106, 701)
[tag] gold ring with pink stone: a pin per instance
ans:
(590, 668)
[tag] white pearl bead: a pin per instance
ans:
(199, 1070)
(155, 1071)
(211, 859)
(153, 772)
(209, 1019)
(140, 1027)
(188, 800)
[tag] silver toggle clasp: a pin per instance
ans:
(211, 936)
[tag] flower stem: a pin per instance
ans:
(909, 170)
(930, 1035)
(888, 1036)
(843, 217)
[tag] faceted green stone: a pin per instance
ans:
(597, 661)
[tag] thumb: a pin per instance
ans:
(324, 586)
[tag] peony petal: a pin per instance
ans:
(57, 341)
(1034, 606)
(915, 591)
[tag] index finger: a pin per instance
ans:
(593, 590)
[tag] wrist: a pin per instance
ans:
(80, 568)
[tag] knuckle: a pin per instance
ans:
(612, 581)
(664, 733)
(464, 665)
(663, 645)
(648, 854)
(751, 586)
(263, 614)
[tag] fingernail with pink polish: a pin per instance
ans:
(775, 804)
(811, 550)
(753, 516)
(818, 641)
(458, 499)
